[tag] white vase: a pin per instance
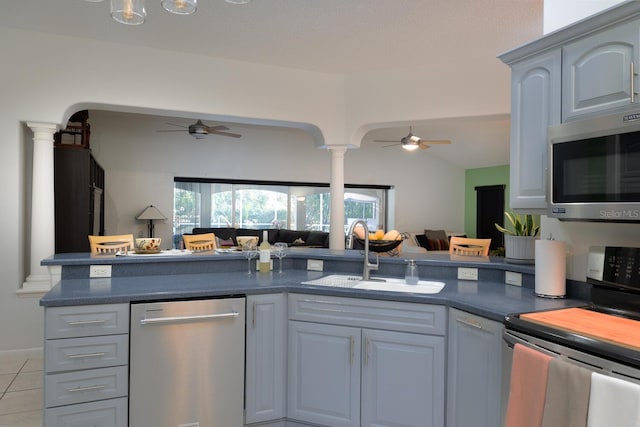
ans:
(521, 249)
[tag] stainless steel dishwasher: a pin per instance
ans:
(187, 363)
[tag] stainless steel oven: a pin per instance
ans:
(582, 358)
(614, 275)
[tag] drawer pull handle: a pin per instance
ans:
(85, 355)
(86, 322)
(88, 388)
(177, 319)
(470, 323)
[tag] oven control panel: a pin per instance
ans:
(616, 265)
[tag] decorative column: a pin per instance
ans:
(42, 241)
(336, 235)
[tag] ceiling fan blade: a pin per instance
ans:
(385, 140)
(216, 128)
(171, 130)
(423, 146)
(174, 124)
(392, 145)
(435, 141)
(232, 135)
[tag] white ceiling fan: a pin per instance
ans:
(412, 142)
(199, 130)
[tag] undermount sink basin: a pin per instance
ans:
(377, 284)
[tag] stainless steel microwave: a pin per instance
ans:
(594, 169)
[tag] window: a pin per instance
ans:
(261, 205)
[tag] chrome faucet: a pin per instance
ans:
(368, 267)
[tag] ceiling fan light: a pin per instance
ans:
(410, 146)
(129, 12)
(180, 7)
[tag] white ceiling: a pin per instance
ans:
(333, 36)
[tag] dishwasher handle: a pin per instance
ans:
(195, 318)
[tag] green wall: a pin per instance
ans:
(473, 178)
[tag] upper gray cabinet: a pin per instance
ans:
(535, 105)
(599, 73)
(583, 70)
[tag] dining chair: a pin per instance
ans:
(111, 244)
(469, 247)
(199, 242)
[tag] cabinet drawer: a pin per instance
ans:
(106, 413)
(377, 314)
(85, 386)
(86, 320)
(72, 354)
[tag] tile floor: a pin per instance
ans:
(21, 392)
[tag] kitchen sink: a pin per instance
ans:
(388, 284)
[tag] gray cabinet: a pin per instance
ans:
(402, 379)
(535, 105)
(266, 358)
(86, 365)
(324, 374)
(580, 71)
(474, 370)
(357, 362)
(598, 72)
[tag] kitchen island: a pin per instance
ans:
(296, 333)
(179, 275)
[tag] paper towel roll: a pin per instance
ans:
(550, 268)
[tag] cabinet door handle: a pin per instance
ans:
(352, 341)
(470, 323)
(253, 320)
(632, 77)
(85, 355)
(367, 345)
(88, 388)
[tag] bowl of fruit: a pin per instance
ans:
(379, 241)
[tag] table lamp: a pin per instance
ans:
(150, 213)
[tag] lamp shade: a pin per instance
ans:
(180, 7)
(130, 12)
(150, 213)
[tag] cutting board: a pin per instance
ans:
(614, 329)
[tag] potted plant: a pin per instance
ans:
(519, 242)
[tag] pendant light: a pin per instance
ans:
(130, 12)
(180, 7)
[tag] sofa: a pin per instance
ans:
(430, 240)
(226, 236)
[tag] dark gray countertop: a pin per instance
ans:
(488, 297)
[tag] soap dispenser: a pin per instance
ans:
(411, 273)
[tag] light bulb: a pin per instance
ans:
(130, 12)
(180, 7)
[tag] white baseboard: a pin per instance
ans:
(33, 353)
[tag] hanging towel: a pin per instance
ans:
(528, 387)
(567, 400)
(613, 402)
